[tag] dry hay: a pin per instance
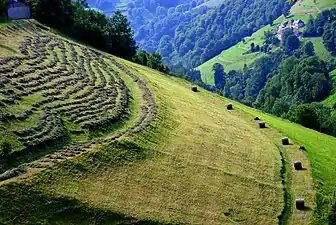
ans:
(300, 204)
(285, 141)
(194, 89)
(262, 125)
(298, 165)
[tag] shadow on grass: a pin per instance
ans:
(30, 154)
(307, 209)
(23, 204)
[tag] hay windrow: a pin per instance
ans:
(72, 82)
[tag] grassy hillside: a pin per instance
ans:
(320, 49)
(311, 6)
(119, 4)
(189, 160)
(331, 100)
(234, 57)
(213, 3)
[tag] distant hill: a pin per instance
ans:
(234, 58)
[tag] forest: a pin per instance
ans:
(191, 33)
(3, 8)
(290, 81)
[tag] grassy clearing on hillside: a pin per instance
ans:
(331, 100)
(312, 6)
(234, 57)
(213, 3)
(320, 49)
(231, 59)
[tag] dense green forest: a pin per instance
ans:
(290, 81)
(189, 33)
(3, 8)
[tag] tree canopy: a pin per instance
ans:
(309, 49)
(191, 33)
(3, 7)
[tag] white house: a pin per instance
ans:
(17, 10)
(298, 24)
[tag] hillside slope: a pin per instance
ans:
(235, 57)
(177, 157)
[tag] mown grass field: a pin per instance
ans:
(196, 163)
(175, 171)
(234, 57)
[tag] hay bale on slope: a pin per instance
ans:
(298, 165)
(262, 125)
(300, 204)
(229, 106)
(285, 141)
(194, 89)
(256, 118)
